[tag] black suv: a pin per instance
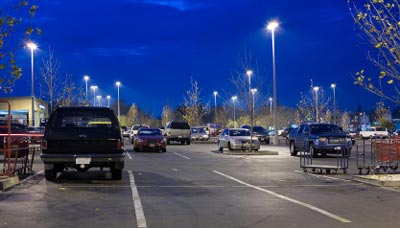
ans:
(259, 132)
(82, 138)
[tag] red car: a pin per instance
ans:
(150, 139)
(19, 139)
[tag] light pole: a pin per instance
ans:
(270, 105)
(94, 94)
(108, 100)
(249, 73)
(86, 78)
(33, 47)
(333, 86)
(118, 83)
(234, 110)
(272, 26)
(253, 91)
(98, 100)
(316, 88)
(215, 105)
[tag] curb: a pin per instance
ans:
(265, 152)
(383, 180)
(8, 182)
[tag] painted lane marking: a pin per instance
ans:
(140, 219)
(309, 206)
(325, 176)
(182, 155)
(129, 155)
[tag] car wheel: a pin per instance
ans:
(164, 150)
(293, 151)
(116, 174)
(229, 146)
(168, 142)
(188, 142)
(50, 174)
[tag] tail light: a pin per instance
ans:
(121, 145)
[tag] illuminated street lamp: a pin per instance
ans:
(215, 105)
(249, 73)
(234, 110)
(33, 47)
(270, 105)
(98, 100)
(316, 88)
(272, 26)
(253, 91)
(108, 100)
(333, 86)
(118, 83)
(86, 78)
(94, 94)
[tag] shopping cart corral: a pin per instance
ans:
(332, 163)
(377, 155)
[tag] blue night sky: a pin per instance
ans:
(154, 47)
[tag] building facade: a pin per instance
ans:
(21, 110)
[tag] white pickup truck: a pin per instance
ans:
(375, 132)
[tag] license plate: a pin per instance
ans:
(152, 145)
(83, 160)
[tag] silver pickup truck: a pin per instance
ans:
(178, 131)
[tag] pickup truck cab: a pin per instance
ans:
(319, 138)
(82, 138)
(375, 132)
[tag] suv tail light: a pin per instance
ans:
(121, 145)
(43, 144)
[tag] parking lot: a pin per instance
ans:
(195, 186)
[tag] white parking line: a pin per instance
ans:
(320, 175)
(140, 219)
(129, 155)
(309, 206)
(182, 155)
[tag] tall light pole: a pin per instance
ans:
(86, 78)
(33, 47)
(234, 110)
(108, 100)
(316, 88)
(215, 105)
(253, 91)
(98, 100)
(249, 73)
(118, 83)
(333, 86)
(272, 26)
(94, 94)
(270, 105)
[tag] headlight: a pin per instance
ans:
(348, 140)
(323, 139)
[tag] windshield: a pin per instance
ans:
(323, 129)
(239, 133)
(149, 132)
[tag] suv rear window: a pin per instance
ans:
(180, 125)
(82, 119)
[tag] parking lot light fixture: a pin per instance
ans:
(94, 88)
(86, 78)
(271, 27)
(118, 83)
(215, 106)
(108, 100)
(32, 46)
(234, 98)
(316, 88)
(333, 86)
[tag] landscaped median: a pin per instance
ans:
(381, 180)
(241, 152)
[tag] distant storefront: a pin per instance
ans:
(21, 110)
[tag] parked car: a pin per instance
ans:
(198, 133)
(237, 139)
(319, 138)
(19, 143)
(134, 129)
(35, 134)
(375, 132)
(178, 131)
(150, 139)
(125, 131)
(259, 132)
(82, 138)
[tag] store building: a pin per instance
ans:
(21, 110)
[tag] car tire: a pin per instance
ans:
(182, 142)
(229, 146)
(50, 174)
(116, 174)
(164, 150)
(313, 151)
(188, 142)
(292, 147)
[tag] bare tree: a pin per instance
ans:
(309, 105)
(166, 115)
(10, 71)
(194, 109)
(51, 78)
(378, 22)
(132, 115)
(70, 95)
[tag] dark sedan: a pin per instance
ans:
(259, 132)
(150, 139)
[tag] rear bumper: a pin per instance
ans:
(71, 158)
